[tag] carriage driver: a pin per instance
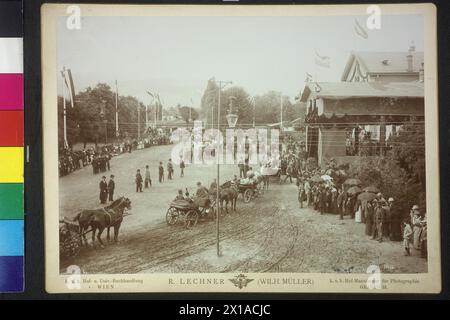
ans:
(179, 195)
(202, 196)
(202, 191)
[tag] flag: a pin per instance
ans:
(67, 76)
(308, 77)
(360, 31)
(323, 61)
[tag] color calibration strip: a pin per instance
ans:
(11, 149)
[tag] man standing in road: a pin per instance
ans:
(148, 179)
(161, 172)
(111, 187)
(103, 190)
(182, 166)
(138, 181)
(241, 169)
(169, 170)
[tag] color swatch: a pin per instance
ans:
(11, 150)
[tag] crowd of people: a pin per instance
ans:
(329, 191)
(99, 157)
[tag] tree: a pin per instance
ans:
(186, 112)
(209, 102)
(240, 105)
(94, 106)
(268, 109)
(408, 150)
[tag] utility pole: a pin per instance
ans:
(66, 143)
(222, 85)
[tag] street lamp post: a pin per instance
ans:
(222, 85)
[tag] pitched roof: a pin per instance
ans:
(384, 62)
(344, 90)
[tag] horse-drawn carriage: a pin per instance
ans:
(270, 173)
(69, 238)
(248, 190)
(72, 232)
(189, 212)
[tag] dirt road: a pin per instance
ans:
(270, 234)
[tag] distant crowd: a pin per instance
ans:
(99, 157)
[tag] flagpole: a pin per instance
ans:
(281, 111)
(139, 121)
(66, 143)
(155, 107)
(146, 117)
(117, 111)
(190, 111)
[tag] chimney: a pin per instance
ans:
(421, 73)
(410, 57)
(412, 48)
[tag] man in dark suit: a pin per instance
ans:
(138, 181)
(111, 187)
(103, 190)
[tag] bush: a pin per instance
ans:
(393, 181)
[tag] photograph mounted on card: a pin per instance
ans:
(209, 148)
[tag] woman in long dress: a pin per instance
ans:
(369, 218)
(417, 226)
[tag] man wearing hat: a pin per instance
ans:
(111, 187)
(378, 221)
(103, 190)
(395, 221)
(423, 238)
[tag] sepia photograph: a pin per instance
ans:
(232, 148)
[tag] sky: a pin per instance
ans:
(175, 56)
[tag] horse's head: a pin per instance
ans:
(127, 203)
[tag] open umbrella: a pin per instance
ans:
(366, 196)
(352, 182)
(371, 189)
(354, 190)
(316, 179)
(326, 177)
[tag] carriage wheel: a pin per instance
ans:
(191, 219)
(71, 246)
(172, 216)
(248, 194)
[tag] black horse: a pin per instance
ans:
(99, 219)
(228, 192)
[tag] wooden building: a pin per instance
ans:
(364, 106)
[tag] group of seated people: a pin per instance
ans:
(202, 195)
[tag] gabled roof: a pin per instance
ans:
(384, 62)
(378, 89)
